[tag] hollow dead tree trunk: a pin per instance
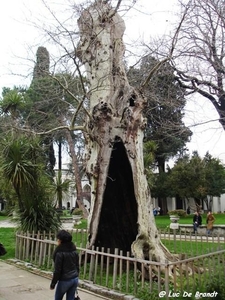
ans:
(121, 210)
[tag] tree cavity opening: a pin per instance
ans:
(118, 219)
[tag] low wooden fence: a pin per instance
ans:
(122, 272)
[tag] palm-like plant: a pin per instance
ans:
(16, 167)
(39, 213)
(21, 164)
(60, 187)
(12, 103)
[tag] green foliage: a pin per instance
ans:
(22, 168)
(164, 221)
(12, 102)
(164, 114)
(82, 224)
(60, 187)
(177, 212)
(15, 164)
(66, 213)
(39, 213)
(50, 101)
(216, 284)
(78, 212)
(3, 213)
(164, 111)
(18, 165)
(149, 151)
(42, 217)
(214, 175)
(196, 177)
(190, 248)
(160, 187)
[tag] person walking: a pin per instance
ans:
(197, 221)
(66, 267)
(209, 222)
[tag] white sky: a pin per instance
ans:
(18, 38)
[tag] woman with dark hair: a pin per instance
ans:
(66, 267)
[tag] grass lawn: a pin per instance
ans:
(7, 235)
(8, 239)
(82, 225)
(164, 221)
(189, 248)
(192, 248)
(3, 218)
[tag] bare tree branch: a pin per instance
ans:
(76, 128)
(80, 103)
(169, 57)
(207, 122)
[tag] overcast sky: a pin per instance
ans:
(19, 41)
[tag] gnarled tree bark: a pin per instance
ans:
(121, 209)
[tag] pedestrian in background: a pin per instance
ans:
(209, 222)
(197, 221)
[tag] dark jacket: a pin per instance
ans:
(66, 263)
(198, 219)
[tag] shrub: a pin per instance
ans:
(177, 212)
(3, 213)
(78, 212)
(39, 217)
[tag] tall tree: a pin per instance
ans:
(50, 108)
(198, 178)
(121, 203)
(42, 95)
(42, 65)
(53, 107)
(164, 112)
(165, 109)
(215, 179)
